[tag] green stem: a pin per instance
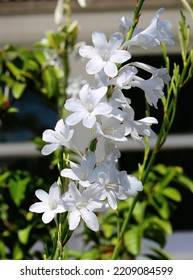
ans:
(135, 18)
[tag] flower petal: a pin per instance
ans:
(74, 219)
(120, 56)
(74, 105)
(48, 217)
(95, 65)
(90, 219)
(69, 174)
(88, 52)
(110, 69)
(89, 120)
(112, 200)
(99, 39)
(48, 149)
(38, 207)
(115, 41)
(75, 118)
(42, 195)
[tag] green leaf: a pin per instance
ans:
(172, 194)
(132, 240)
(185, 181)
(23, 234)
(50, 81)
(157, 222)
(92, 254)
(17, 188)
(161, 205)
(154, 233)
(16, 72)
(160, 254)
(139, 211)
(18, 89)
(17, 252)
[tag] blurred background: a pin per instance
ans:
(23, 22)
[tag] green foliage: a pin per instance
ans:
(20, 229)
(151, 218)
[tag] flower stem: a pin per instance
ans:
(135, 18)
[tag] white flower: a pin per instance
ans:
(111, 128)
(152, 87)
(82, 3)
(133, 185)
(156, 72)
(51, 203)
(74, 86)
(124, 25)
(58, 13)
(137, 128)
(88, 107)
(158, 31)
(81, 172)
(82, 206)
(111, 150)
(61, 136)
(104, 55)
(124, 78)
(114, 185)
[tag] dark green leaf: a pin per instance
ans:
(160, 254)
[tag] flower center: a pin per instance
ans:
(105, 54)
(89, 106)
(52, 204)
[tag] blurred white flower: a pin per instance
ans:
(82, 3)
(74, 86)
(59, 12)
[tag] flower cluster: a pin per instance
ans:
(108, 114)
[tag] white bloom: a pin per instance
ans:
(61, 136)
(124, 25)
(104, 55)
(152, 87)
(82, 3)
(58, 13)
(88, 107)
(157, 72)
(124, 78)
(51, 203)
(74, 86)
(81, 172)
(111, 150)
(158, 31)
(137, 128)
(82, 206)
(113, 185)
(133, 185)
(111, 128)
